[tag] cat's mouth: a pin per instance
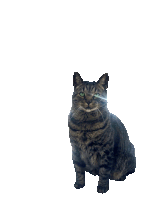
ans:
(89, 109)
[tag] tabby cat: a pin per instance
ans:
(99, 140)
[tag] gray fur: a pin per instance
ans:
(100, 143)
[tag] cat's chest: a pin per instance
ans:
(87, 142)
(84, 137)
(94, 140)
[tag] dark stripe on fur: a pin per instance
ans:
(79, 163)
(92, 130)
(101, 128)
(105, 166)
(80, 123)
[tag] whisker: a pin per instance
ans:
(97, 111)
(100, 113)
(75, 112)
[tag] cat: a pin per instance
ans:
(99, 140)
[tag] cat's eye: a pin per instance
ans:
(97, 95)
(82, 94)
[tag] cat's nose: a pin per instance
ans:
(88, 102)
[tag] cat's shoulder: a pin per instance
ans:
(116, 122)
(113, 118)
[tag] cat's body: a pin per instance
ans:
(100, 143)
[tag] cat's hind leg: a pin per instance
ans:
(125, 165)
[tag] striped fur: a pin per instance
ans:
(100, 143)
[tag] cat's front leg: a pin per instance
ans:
(80, 176)
(79, 166)
(103, 183)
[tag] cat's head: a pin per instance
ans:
(89, 96)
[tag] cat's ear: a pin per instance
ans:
(103, 81)
(77, 80)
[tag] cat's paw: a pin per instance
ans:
(101, 189)
(78, 186)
